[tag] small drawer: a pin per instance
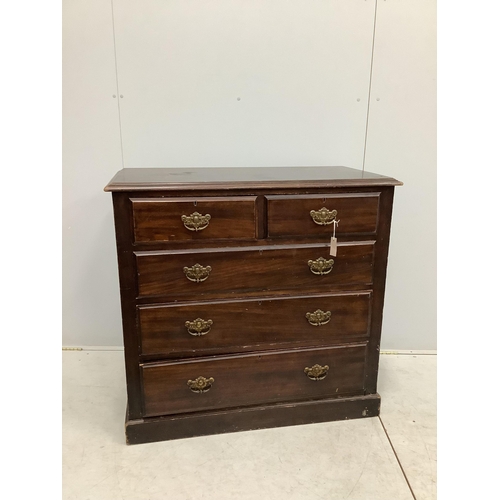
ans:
(194, 385)
(313, 215)
(246, 270)
(208, 327)
(174, 219)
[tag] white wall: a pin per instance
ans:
(235, 83)
(297, 66)
(91, 156)
(401, 142)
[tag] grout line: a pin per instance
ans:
(370, 85)
(117, 86)
(397, 458)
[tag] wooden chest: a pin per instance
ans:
(235, 314)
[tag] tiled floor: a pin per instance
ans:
(336, 460)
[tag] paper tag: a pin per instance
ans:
(333, 246)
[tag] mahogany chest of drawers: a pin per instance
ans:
(236, 315)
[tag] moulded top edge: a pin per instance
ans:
(205, 178)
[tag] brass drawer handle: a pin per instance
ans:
(317, 372)
(320, 266)
(323, 216)
(199, 326)
(319, 317)
(201, 384)
(196, 221)
(197, 273)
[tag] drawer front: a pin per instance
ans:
(179, 387)
(173, 219)
(257, 269)
(226, 326)
(303, 215)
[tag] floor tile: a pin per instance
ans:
(334, 460)
(407, 385)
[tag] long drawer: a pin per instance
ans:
(194, 385)
(206, 327)
(310, 267)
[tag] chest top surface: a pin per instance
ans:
(139, 179)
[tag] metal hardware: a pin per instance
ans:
(319, 317)
(323, 216)
(196, 221)
(317, 372)
(201, 384)
(197, 273)
(198, 327)
(320, 266)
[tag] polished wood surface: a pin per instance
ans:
(259, 244)
(127, 275)
(380, 270)
(243, 178)
(250, 379)
(290, 215)
(160, 219)
(255, 269)
(248, 418)
(256, 324)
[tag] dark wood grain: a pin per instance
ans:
(251, 269)
(381, 257)
(250, 418)
(252, 379)
(256, 324)
(243, 178)
(290, 215)
(258, 243)
(128, 292)
(159, 219)
(261, 205)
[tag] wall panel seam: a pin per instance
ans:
(117, 85)
(370, 83)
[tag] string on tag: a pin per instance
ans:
(335, 223)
